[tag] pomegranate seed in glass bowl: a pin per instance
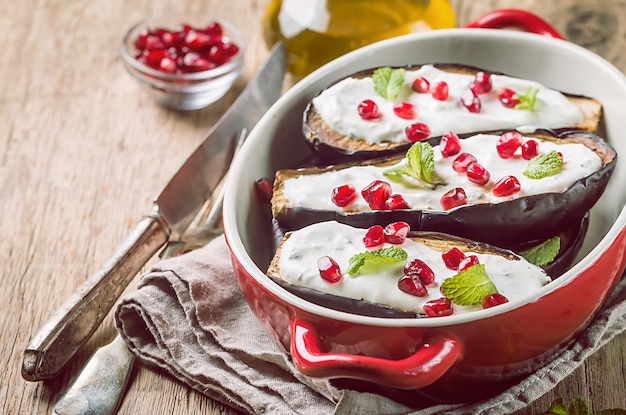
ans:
(184, 61)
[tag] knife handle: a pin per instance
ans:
(77, 319)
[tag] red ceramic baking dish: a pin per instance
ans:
(445, 355)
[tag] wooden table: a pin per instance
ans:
(83, 151)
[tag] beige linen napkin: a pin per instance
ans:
(189, 318)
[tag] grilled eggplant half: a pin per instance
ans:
(339, 126)
(539, 208)
(422, 274)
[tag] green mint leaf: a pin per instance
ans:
(544, 253)
(469, 286)
(528, 100)
(389, 83)
(372, 260)
(578, 406)
(544, 165)
(557, 408)
(420, 164)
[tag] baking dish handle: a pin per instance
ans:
(424, 367)
(515, 18)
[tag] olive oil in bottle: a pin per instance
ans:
(317, 31)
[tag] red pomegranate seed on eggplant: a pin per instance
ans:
(508, 143)
(493, 300)
(329, 269)
(368, 110)
(507, 98)
(453, 198)
(449, 144)
(467, 262)
(421, 269)
(470, 101)
(376, 194)
(530, 149)
(396, 232)
(476, 173)
(375, 236)
(417, 132)
(412, 285)
(405, 110)
(506, 186)
(438, 308)
(420, 85)
(396, 202)
(462, 161)
(440, 91)
(482, 83)
(343, 195)
(452, 258)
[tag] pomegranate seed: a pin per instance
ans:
(420, 85)
(417, 132)
(142, 39)
(229, 49)
(214, 29)
(173, 39)
(530, 149)
(452, 258)
(412, 285)
(462, 161)
(467, 262)
(153, 58)
(449, 144)
(194, 62)
(343, 195)
(482, 83)
(329, 269)
(440, 91)
(477, 173)
(470, 101)
(396, 232)
(376, 194)
(421, 269)
(154, 43)
(168, 65)
(264, 188)
(396, 202)
(493, 300)
(453, 198)
(375, 236)
(368, 110)
(438, 308)
(506, 186)
(507, 98)
(216, 55)
(508, 143)
(405, 110)
(196, 40)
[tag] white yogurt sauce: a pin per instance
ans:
(298, 265)
(338, 104)
(314, 190)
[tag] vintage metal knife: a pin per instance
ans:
(175, 207)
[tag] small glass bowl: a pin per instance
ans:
(184, 91)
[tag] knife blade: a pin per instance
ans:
(174, 208)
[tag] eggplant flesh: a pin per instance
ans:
(506, 224)
(439, 242)
(333, 147)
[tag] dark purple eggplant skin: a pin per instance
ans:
(506, 224)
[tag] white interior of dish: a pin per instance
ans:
(276, 142)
